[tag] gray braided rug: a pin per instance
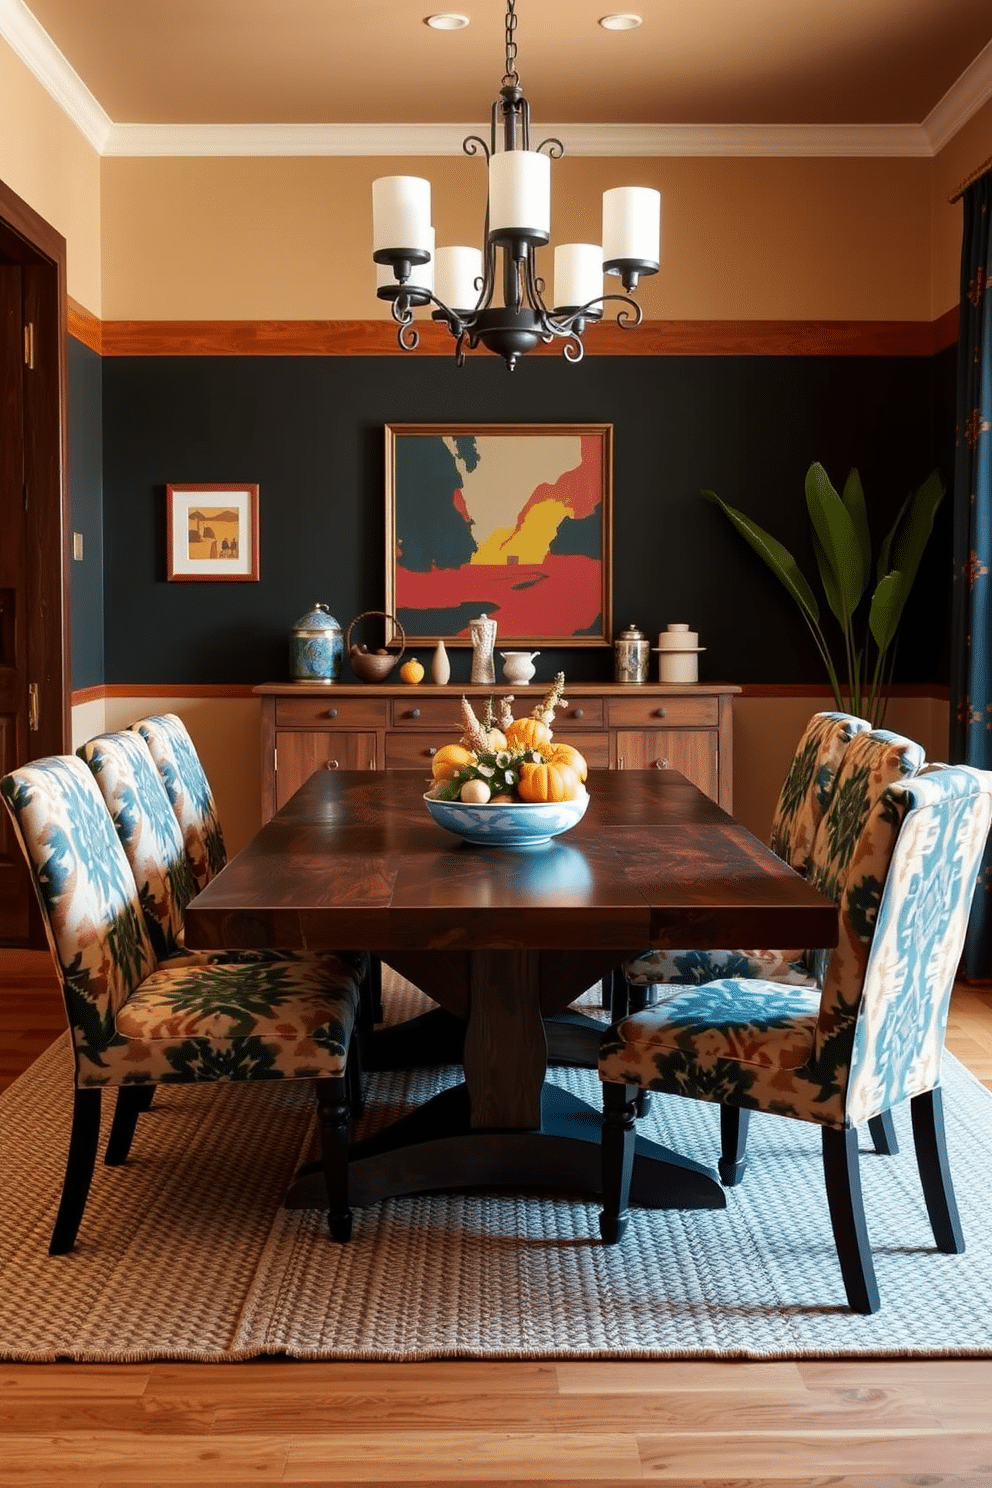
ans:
(186, 1253)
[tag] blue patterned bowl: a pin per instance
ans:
(518, 824)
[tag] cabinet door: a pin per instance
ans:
(299, 752)
(693, 752)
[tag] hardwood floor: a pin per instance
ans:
(885, 1424)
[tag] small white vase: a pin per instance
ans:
(518, 666)
(440, 665)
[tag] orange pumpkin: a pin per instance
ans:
(449, 758)
(548, 783)
(528, 733)
(567, 754)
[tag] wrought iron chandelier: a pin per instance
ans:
(461, 282)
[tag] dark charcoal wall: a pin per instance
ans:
(309, 430)
(86, 512)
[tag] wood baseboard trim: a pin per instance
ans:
(863, 338)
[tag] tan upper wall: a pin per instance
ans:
(271, 238)
(966, 152)
(743, 239)
(49, 164)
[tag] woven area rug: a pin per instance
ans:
(186, 1253)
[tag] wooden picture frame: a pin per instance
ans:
(508, 520)
(212, 533)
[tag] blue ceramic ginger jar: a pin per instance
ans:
(316, 647)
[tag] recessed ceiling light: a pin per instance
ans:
(448, 21)
(626, 21)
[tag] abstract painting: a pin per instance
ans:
(507, 520)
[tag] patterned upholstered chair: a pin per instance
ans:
(804, 797)
(136, 1022)
(188, 789)
(189, 793)
(872, 1038)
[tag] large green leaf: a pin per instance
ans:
(839, 551)
(853, 497)
(778, 558)
(913, 532)
(886, 608)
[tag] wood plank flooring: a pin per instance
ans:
(888, 1423)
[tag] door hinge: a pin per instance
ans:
(29, 345)
(33, 707)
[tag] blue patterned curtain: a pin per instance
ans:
(971, 652)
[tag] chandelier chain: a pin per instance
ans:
(511, 78)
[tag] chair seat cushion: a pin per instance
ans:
(693, 968)
(725, 1022)
(289, 1020)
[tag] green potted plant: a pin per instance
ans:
(842, 545)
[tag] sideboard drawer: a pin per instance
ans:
(411, 750)
(581, 713)
(674, 712)
(335, 712)
(437, 714)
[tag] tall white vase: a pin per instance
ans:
(440, 665)
(483, 633)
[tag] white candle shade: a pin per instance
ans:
(632, 224)
(401, 213)
(578, 274)
(520, 195)
(456, 272)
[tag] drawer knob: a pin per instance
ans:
(578, 712)
(661, 764)
(661, 712)
(332, 712)
(414, 712)
(331, 765)
(432, 751)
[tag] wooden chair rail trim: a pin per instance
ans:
(378, 337)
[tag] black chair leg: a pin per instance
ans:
(628, 998)
(80, 1162)
(847, 1216)
(734, 1122)
(618, 1159)
(333, 1121)
(883, 1134)
(132, 1100)
(355, 1077)
(927, 1112)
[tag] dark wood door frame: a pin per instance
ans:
(42, 607)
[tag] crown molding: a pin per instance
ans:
(41, 56)
(961, 101)
(630, 141)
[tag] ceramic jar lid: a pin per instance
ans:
(678, 638)
(316, 622)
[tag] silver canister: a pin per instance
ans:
(632, 655)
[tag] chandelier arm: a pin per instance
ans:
(534, 287)
(473, 143)
(573, 351)
(554, 147)
(561, 324)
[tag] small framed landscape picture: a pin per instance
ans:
(212, 532)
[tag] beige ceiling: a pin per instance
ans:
(375, 62)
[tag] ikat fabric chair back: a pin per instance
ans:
(188, 789)
(903, 919)
(808, 787)
(149, 832)
(88, 897)
(872, 762)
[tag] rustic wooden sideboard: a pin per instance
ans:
(375, 726)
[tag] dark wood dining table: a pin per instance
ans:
(504, 941)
